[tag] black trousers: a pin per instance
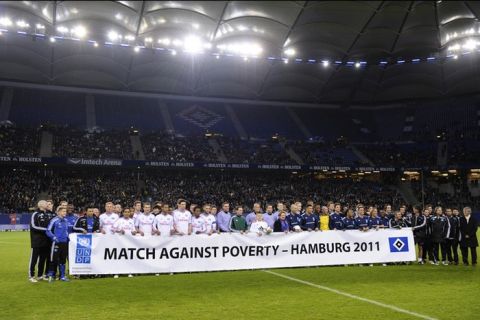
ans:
(449, 249)
(58, 255)
(436, 251)
(445, 248)
(455, 250)
(427, 250)
(40, 255)
(473, 251)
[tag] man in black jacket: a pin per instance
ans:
(468, 236)
(452, 234)
(439, 226)
(455, 225)
(419, 228)
(39, 241)
(88, 223)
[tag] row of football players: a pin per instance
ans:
(162, 220)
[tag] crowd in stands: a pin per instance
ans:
(89, 188)
(23, 142)
(325, 154)
(161, 146)
(75, 143)
(254, 151)
(19, 189)
(456, 193)
(400, 155)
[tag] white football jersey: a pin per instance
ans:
(145, 222)
(211, 222)
(124, 224)
(198, 224)
(107, 221)
(164, 224)
(135, 216)
(181, 220)
(258, 226)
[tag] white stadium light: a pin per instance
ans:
(95, 44)
(174, 53)
(148, 40)
(52, 39)
(6, 22)
(325, 63)
(193, 44)
(130, 37)
(40, 26)
(79, 31)
(136, 49)
(22, 24)
(62, 29)
(118, 16)
(112, 36)
(357, 64)
(289, 52)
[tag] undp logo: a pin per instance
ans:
(398, 244)
(84, 248)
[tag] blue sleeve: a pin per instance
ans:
(51, 229)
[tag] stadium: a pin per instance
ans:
(239, 159)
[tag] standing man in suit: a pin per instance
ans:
(468, 236)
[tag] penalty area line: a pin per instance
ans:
(352, 296)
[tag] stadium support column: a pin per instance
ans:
(167, 120)
(6, 103)
(90, 111)
(236, 122)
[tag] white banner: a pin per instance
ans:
(120, 254)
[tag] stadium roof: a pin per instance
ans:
(305, 51)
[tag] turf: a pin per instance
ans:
(442, 292)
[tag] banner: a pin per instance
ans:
(120, 254)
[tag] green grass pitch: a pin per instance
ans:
(437, 292)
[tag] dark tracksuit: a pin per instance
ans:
(397, 224)
(375, 222)
(450, 239)
(71, 219)
(455, 234)
(294, 220)
(87, 224)
(440, 228)
(57, 231)
(419, 228)
(39, 242)
(238, 223)
(349, 224)
(362, 222)
(385, 221)
(309, 222)
(50, 216)
(336, 221)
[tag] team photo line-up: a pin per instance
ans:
(435, 229)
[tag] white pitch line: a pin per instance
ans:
(349, 295)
